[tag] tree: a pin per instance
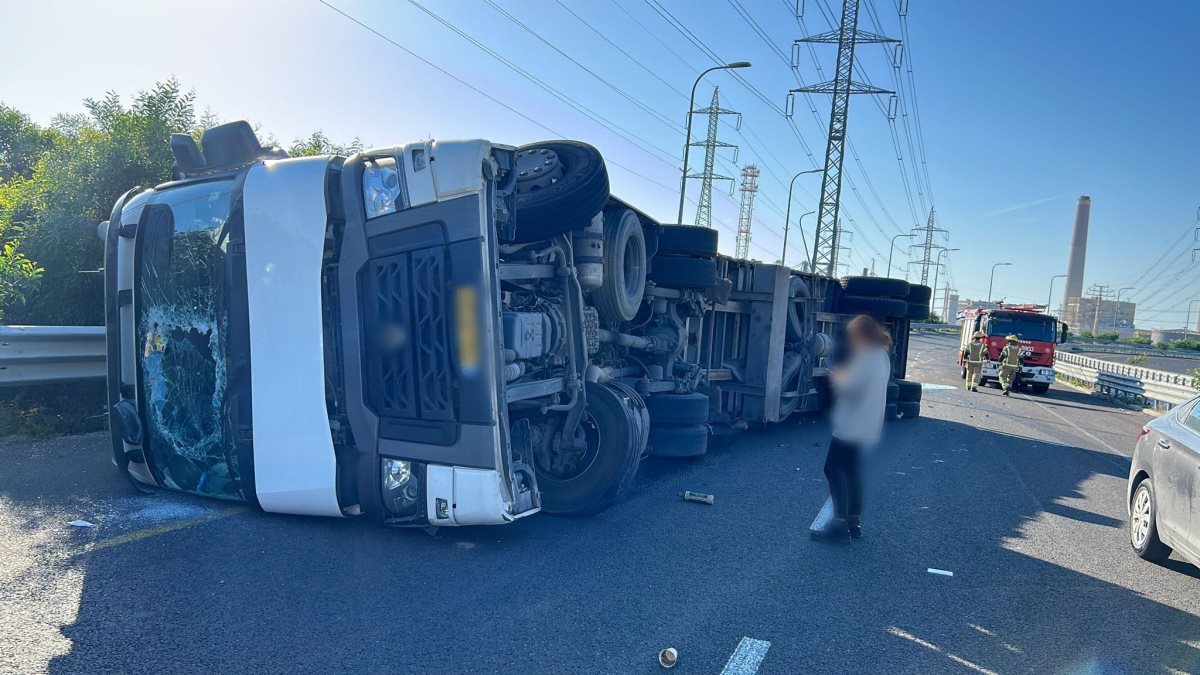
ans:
(319, 144)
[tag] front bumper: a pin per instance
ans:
(1029, 374)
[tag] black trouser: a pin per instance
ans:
(842, 469)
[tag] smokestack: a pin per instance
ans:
(1078, 250)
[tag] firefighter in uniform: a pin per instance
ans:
(974, 356)
(1011, 361)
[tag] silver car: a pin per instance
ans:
(1164, 486)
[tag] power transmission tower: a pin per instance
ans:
(928, 247)
(746, 212)
(825, 252)
(1099, 295)
(710, 145)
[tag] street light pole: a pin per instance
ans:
(687, 140)
(787, 217)
(1188, 318)
(938, 268)
(993, 279)
(1050, 295)
(1117, 305)
(892, 249)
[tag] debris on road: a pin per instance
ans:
(668, 657)
(80, 523)
(944, 573)
(689, 496)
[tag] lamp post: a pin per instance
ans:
(938, 268)
(1051, 293)
(799, 224)
(993, 278)
(893, 248)
(1117, 305)
(1188, 318)
(687, 140)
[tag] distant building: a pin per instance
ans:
(1172, 334)
(1089, 315)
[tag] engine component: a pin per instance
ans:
(589, 254)
(620, 294)
(591, 329)
(532, 335)
(822, 345)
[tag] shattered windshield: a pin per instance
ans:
(181, 337)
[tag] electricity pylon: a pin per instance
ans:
(710, 145)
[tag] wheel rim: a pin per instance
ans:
(1139, 519)
(539, 168)
(633, 270)
(569, 467)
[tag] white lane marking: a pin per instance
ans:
(945, 573)
(747, 657)
(936, 387)
(1078, 428)
(901, 633)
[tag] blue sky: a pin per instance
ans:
(1024, 106)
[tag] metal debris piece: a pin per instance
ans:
(80, 523)
(689, 496)
(668, 657)
(944, 573)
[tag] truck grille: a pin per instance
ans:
(408, 362)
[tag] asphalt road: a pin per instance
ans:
(1022, 499)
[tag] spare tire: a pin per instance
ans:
(680, 409)
(888, 308)
(561, 185)
(878, 286)
(919, 294)
(677, 272)
(620, 294)
(688, 441)
(687, 240)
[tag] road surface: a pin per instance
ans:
(1022, 499)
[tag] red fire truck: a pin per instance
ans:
(1037, 334)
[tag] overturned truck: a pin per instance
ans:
(443, 332)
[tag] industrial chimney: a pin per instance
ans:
(1078, 250)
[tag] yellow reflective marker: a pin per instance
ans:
(466, 317)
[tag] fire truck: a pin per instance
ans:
(1037, 334)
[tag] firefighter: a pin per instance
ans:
(1011, 361)
(973, 356)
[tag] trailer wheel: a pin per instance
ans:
(919, 294)
(907, 390)
(908, 409)
(561, 185)
(893, 391)
(687, 240)
(799, 327)
(620, 295)
(677, 272)
(595, 478)
(678, 409)
(876, 286)
(889, 412)
(793, 368)
(888, 308)
(684, 441)
(918, 311)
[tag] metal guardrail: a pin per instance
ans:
(1156, 388)
(50, 354)
(1132, 350)
(935, 327)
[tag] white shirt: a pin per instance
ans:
(860, 395)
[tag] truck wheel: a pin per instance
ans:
(889, 412)
(689, 441)
(620, 294)
(918, 311)
(1143, 525)
(793, 367)
(876, 286)
(561, 185)
(919, 294)
(799, 329)
(888, 308)
(907, 390)
(585, 482)
(687, 240)
(893, 391)
(1039, 388)
(678, 409)
(676, 272)
(908, 409)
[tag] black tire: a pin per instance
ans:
(876, 286)
(677, 272)
(687, 240)
(564, 195)
(887, 308)
(678, 409)
(799, 327)
(793, 367)
(1039, 387)
(687, 441)
(620, 295)
(907, 390)
(919, 294)
(918, 311)
(889, 412)
(1152, 548)
(893, 392)
(615, 449)
(908, 409)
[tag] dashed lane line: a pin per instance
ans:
(747, 657)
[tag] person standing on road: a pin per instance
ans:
(973, 356)
(1011, 361)
(860, 395)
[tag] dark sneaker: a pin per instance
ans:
(854, 525)
(835, 531)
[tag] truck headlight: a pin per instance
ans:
(401, 486)
(381, 187)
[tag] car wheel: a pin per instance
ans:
(561, 185)
(1143, 525)
(620, 294)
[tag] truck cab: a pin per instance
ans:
(1037, 333)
